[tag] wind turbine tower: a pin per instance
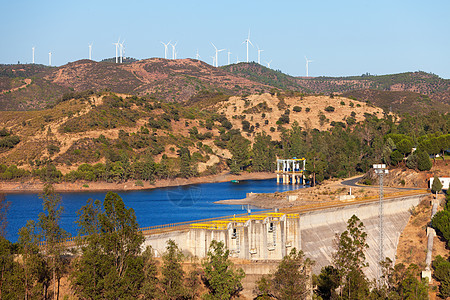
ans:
(121, 50)
(268, 64)
(307, 62)
(217, 54)
(117, 48)
(259, 55)
(174, 52)
(33, 53)
(229, 56)
(90, 51)
(247, 41)
(165, 49)
(50, 59)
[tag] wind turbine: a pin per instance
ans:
(50, 59)
(197, 56)
(237, 59)
(33, 53)
(174, 52)
(247, 41)
(217, 54)
(307, 62)
(259, 54)
(268, 64)
(165, 49)
(214, 60)
(90, 51)
(121, 50)
(117, 48)
(229, 56)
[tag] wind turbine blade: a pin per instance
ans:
(250, 43)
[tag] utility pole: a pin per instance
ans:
(380, 170)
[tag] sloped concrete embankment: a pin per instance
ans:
(319, 230)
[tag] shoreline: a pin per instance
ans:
(36, 186)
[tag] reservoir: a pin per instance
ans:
(152, 207)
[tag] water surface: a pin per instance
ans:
(152, 207)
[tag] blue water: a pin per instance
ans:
(152, 207)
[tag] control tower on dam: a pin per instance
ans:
(271, 235)
(291, 170)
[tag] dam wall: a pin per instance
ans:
(270, 236)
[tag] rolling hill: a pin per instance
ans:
(25, 87)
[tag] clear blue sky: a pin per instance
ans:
(343, 38)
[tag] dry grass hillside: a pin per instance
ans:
(263, 112)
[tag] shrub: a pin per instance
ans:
(297, 109)
(329, 109)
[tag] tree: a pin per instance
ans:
(172, 273)
(290, 280)
(52, 234)
(316, 164)
(110, 265)
(263, 153)
(327, 282)
(404, 146)
(11, 273)
(436, 187)
(423, 161)
(239, 148)
(349, 259)
(222, 281)
(441, 221)
(396, 157)
(36, 275)
(150, 288)
(441, 268)
(4, 206)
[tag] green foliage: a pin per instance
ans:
(290, 280)
(220, 278)
(396, 157)
(441, 221)
(423, 161)
(441, 272)
(112, 244)
(297, 108)
(263, 154)
(329, 109)
(327, 282)
(404, 146)
(11, 273)
(436, 187)
(9, 141)
(239, 148)
(349, 259)
(172, 273)
(52, 234)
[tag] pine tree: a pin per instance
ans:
(110, 265)
(172, 273)
(290, 280)
(52, 234)
(222, 281)
(349, 259)
(436, 187)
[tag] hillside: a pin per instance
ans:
(406, 92)
(97, 128)
(25, 87)
(160, 79)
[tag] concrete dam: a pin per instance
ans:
(268, 236)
